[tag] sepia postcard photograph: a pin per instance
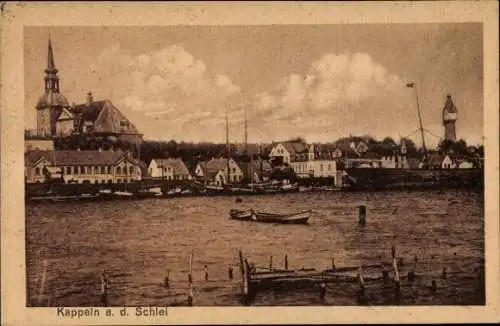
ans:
(217, 162)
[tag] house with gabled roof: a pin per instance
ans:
(219, 171)
(169, 169)
(93, 167)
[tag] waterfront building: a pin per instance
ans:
(55, 117)
(219, 171)
(87, 167)
(286, 152)
(169, 169)
(313, 160)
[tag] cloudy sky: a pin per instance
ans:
(320, 82)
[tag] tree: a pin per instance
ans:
(389, 141)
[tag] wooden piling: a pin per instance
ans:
(397, 286)
(190, 275)
(286, 262)
(206, 272)
(167, 278)
(444, 273)
(190, 281)
(271, 263)
(333, 263)
(362, 214)
(104, 289)
(230, 272)
(42, 282)
(361, 292)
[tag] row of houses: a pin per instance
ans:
(306, 160)
(111, 167)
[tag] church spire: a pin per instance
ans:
(51, 78)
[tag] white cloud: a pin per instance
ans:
(338, 93)
(169, 85)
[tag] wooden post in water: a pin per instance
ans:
(190, 275)
(286, 262)
(333, 263)
(104, 289)
(245, 282)
(42, 282)
(167, 278)
(362, 215)
(230, 272)
(271, 263)
(397, 286)
(361, 293)
(190, 281)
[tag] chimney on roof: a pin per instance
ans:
(90, 97)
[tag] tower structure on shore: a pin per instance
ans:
(51, 103)
(449, 119)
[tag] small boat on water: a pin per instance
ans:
(251, 215)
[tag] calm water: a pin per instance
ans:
(137, 241)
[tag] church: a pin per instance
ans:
(56, 118)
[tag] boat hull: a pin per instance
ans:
(298, 218)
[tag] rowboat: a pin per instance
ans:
(250, 215)
(294, 218)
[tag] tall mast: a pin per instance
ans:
(246, 131)
(228, 149)
(414, 85)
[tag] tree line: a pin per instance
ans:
(191, 152)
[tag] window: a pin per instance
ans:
(110, 181)
(103, 181)
(109, 169)
(37, 171)
(103, 170)
(118, 170)
(329, 167)
(131, 170)
(321, 167)
(96, 181)
(234, 170)
(68, 170)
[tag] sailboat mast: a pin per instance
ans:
(228, 149)
(420, 123)
(246, 131)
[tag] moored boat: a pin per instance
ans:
(251, 215)
(294, 218)
(242, 215)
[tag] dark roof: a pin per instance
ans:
(295, 147)
(52, 99)
(71, 157)
(105, 116)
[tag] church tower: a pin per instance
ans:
(449, 119)
(51, 103)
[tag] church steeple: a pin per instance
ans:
(51, 78)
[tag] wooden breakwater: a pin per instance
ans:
(391, 282)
